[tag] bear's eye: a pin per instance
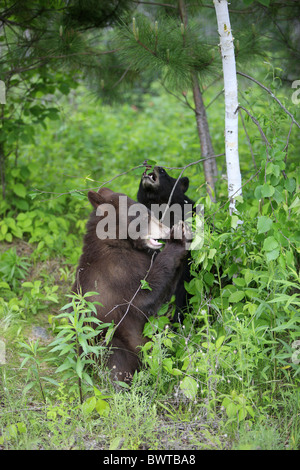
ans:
(162, 171)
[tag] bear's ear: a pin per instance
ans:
(100, 197)
(105, 192)
(184, 183)
(95, 199)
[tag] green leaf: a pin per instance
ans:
(257, 192)
(22, 427)
(296, 205)
(209, 278)
(19, 189)
(273, 169)
(242, 414)
(267, 190)
(8, 237)
(116, 443)
(27, 284)
(248, 276)
(75, 193)
(102, 407)
(168, 365)
(28, 387)
(145, 285)
(36, 110)
(236, 296)
(271, 255)
(12, 429)
(219, 342)
(151, 162)
(212, 253)
(239, 281)
(231, 409)
(270, 244)
(287, 326)
(290, 184)
(79, 367)
(189, 387)
(89, 405)
(4, 229)
(64, 366)
(264, 224)
(87, 378)
(234, 221)
(52, 381)
(24, 361)
(4, 285)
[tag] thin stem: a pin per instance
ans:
(271, 94)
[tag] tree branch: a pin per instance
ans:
(271, 94)
(257, 123)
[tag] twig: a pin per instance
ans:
(248, 138)
(117, 176)
(122, 77)
(257, 123)
(86, 189)
(288, 141)
(134, 296)
(214, 99)
(182, 171)
(271, 94)
(185, 101)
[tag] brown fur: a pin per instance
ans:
(115, 268)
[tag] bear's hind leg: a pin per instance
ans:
(122, 362)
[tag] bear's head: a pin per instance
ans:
(157, 187)
(120, 218)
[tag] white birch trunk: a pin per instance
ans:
(231, 102)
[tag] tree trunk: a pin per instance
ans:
(210, 165)
(231, 103)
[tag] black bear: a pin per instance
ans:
(118, 253)
(156, 187)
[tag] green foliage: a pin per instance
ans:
(33, 356)
(13, 268)
(12, 432)
(166, 48)
(75, 341)
(97, 402)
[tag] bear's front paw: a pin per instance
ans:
(181, 234)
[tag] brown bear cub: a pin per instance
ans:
(120, 250)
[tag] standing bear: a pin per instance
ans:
(120, 250)
(156, 187)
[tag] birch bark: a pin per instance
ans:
(231, 102)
